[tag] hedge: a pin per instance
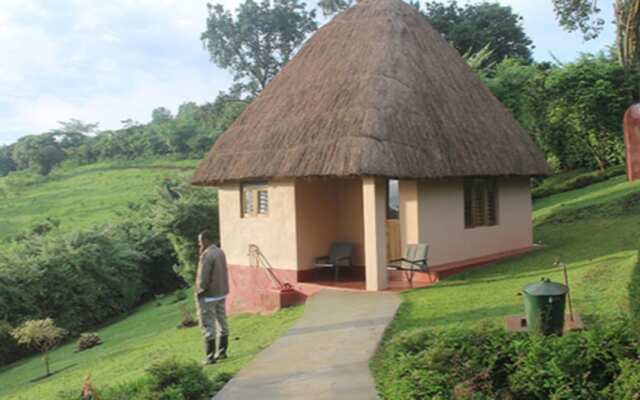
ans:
(600, 363)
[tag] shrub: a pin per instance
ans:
(627, 385)
(188, 320)
(185, 379)
(87, 341)
(181, 295)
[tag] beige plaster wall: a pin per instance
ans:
(328, 210)
(274, 234)
(409, 212)
(374, 200)
(441, 213)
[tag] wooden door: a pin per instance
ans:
(394, 247)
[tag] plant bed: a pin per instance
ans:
(490, 363)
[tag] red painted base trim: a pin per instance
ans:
(258, 290)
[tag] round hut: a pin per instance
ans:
(376, 134)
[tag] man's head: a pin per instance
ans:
(205, 239)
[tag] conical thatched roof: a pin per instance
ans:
(375, 92)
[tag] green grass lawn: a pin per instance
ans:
(133, 344)
(86, 195)
(599, 247)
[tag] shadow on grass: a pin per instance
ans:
(43, 377)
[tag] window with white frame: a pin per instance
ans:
(255, 199)
(480, 202)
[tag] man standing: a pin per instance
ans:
(212, 287)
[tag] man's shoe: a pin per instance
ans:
(222, 351)
(209, 349)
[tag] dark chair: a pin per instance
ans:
(415, 259)
(340, 255)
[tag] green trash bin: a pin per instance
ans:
(544, 304)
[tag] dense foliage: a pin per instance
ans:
(82, 278)
(574, 111)
(181, 213)
(486, 363)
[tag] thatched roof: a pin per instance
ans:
(375, 92)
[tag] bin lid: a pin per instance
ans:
(545, 288)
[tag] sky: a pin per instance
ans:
(109, 60)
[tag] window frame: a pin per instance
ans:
(483, 193)
(254, 189)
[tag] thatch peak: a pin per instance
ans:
(375, 92)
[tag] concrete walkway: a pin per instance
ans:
(325, 355)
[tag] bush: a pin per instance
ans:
(491, 363)
(87, 341)
(173, 378)
(627, 385)
(188, 320)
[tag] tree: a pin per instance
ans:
(584, 16)
(38, 152)
(42, 335)
(330, 7)
(160, 115)
(73, 133)
(476, 26)
(256, 42)
(6, 161)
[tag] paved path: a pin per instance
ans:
(325, 355)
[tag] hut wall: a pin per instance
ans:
(274, 234)
(441, 204)
(328, 210)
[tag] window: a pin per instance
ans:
(255, 199)
(480, 202)
(393, 206)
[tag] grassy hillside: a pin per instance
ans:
(594, 230)
(133, 344)
(82, 196)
